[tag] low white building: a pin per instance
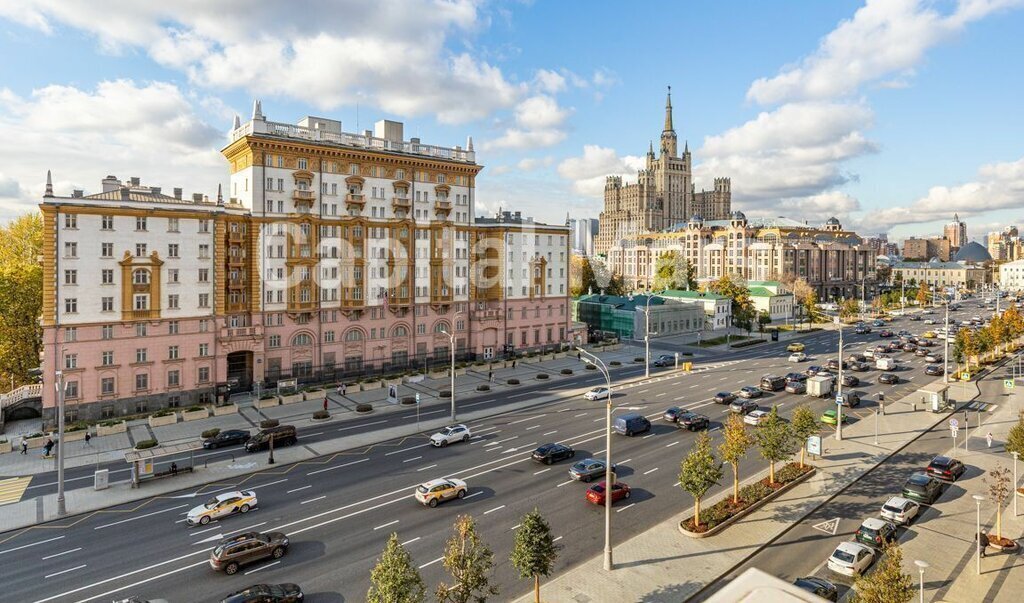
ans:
(772, 297)
(1011, 275)
(717, 308)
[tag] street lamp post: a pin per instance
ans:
(977, 531)
(921, 566)
(609, 476)
(61, 508)
(945, 349)
(1016, 456)
(451, 338)
(839, 391)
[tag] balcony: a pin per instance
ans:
(236, 260)
(303, 196)
(140, 315)
(236, 284)
(236, 236)
(357, 199)
(442, 206)
(401, 203)
(240, 333)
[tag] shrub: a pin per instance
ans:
(479, 363)
(364, 407)
(591, 367)
(566, 371)
(76, 426)
(162, 413)
(33, 435)
(145, 444)
(209, 433)
(531, 354)
(268, 423)
(483, 387)
(749, 342)
(314, 388)
(407, 400)
(321, 415)
(754, 492)
(267, 396)
(790, 472)
(542, 375)
(513, 381)
(195, 408)
(444, 393)
(638, 359)
(110, 423)
(615, 363)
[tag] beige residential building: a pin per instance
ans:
(955, 232)
(958, 275)
(926, 249)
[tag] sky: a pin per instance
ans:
(891, 115)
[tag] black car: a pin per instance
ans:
(833, 364)
(922, 487)
(550, 453)
(266, 593)
(724, 397)
(933, 370)
(850, 381)
(672, 413)
(813, 370)
(693, 421)
(226, 438)
(915, 318)
(888, 378)
(909, 347)
(944, 467)
(862, 330)
(817, 586)
(850, 399)
(885, 333)
(790, 377)
(665, 360)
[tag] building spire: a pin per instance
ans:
(686, 147)
(49, 185)
(257, 109)
(668, 111)
(220, 197)
(668, 135)
(237, 123)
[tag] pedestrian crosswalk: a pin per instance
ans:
(981, 406)
(12, 489)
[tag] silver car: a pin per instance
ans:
(900, 511)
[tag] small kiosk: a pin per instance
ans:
(936, 396)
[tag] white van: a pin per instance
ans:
(869, 353)
(885, 364)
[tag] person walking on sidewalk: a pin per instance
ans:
(47, 447)
(24, 446)
(983, 545)
(325, 403)
(87, 438)
(490, 376)
(988, 438)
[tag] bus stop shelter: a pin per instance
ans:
(143, 462)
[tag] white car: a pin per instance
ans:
(221, 506)
(755, 417)
(598, 393)
(439, 490)
(929, 321)
(851, 559)
(933, 358)
(900, 510)
(797, 357)
(450, 434)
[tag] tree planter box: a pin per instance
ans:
(104, 430)
(291, 398)
(75, 436)
(170, 419)
(5, 446)
(320, 395)
(396, 381)
(438, 374)
(460, 371)
(268, 403)
(1006, 545)
(195, 415)
(37, 442)
(370, 385)
(757, 505)
(560, 355)
(533, 360)
(227, 409)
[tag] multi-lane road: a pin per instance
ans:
(339, 510)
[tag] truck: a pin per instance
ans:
(885, 364)
(819, 386)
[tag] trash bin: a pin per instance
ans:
(101, 479)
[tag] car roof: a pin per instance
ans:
(456, 426)
(941, 460)
(851, 547)
(758, 412)
(919, 478)
(898, 501)
(437, 482)
(874, 523)
(227, 495)
(590, 460)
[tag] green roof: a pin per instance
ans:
(763, 292)
(621, 302)
(763, 284)
(702, 295)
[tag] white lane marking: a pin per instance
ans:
(308, 435)
(198, 532)
(297, 489)
(415, 458)
(582, 414)
(338, 466)
(477, 403)
(262, 567)
(550, 432)
(361, 426)
(64, 571)
(660, 395)
(246, 529)
(384, 525)
(506, 439)
(206, 562)
(564, 483)
(625, 461)
(672, 444)
(107, 525)
(423, 414)
(650, 471)
(643, 391)
(693, 386)
(624, 508)
(650, 435)
(472, 495)
(533, 427)
(59, 554)
(406, 449)
(565, 410)
(313, 499)
(542, 471)
(427, 467)
(528, 419)
(515, 527)
(557, 539)
(598, 419)
(489, 444)
(494, 509)
(280, 481)
(25, 546)
(429, 563)
(410, 541)
(483, 429)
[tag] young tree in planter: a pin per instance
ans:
(999, 489)
(736, 441)
(534, 551)
(804, 426)
(763, 320)
(395, 579)
(888, 583)
(469, 561)
(1015, 438)
(775, 439)
(699, 471)
(922, 295)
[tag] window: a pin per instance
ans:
(107, 358)
(108, 304)
(275, 341)
(173, 378)
(172, 250)
(204, 275)
(141, 302)
(400, 331)
(140, 223)
(71, 334)
(107, 332)
(172, 327)
(70, 249)
(204, 226)
(71, 390)
(140, 249)
(302, 339)
(204, 325)
(421, 329)
(172, 224)
(70, 277)
(107, 276)
(141, 406)
(70, 305)
(204, 300)
(107, 250)
(140, 329)
(204, 349)
(204, 252)
(172, 275)
(280, 184)
(70, 221)
(141, 354)
(70, 361)
(204, 374)
(399, 174)
(107, 223)
(142, 384)
(172, 302)
(107, 386)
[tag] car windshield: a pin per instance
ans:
(843, 556)
(545, 449)
(598, 489)
(213, 502)
(723, 394)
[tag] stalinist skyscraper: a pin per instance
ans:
(663, 194)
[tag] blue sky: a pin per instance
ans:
(891, 115)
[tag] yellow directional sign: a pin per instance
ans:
(687, 366)
(965, 376)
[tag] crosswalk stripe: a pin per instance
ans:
(11, 490)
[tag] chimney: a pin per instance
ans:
(125, 191)
(197, 197)
(177, 193)
(135, 180)
(155, 190)
(110, 183)
(77, 193)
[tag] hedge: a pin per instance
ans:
(615, 363)
(76, 426)
(591, 367)
(32, 435)
(364, 407)
(267, 396)
(268, 423)
(749, 495)
(513, 381)
(111, 422)
(638, 359)
(483, 387)
(321, 414)
(749, 342)
(567, 371)
(444, 393)
(194, 409)
(145, 444)
(407, 400)
(162, 413)
(542, 375)
(209, 433)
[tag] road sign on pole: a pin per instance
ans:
(814, 445)
(1008, 383)
(954, 427)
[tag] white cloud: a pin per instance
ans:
(549, 81)
(500, 169)
(882, 38)
(532, 163)
(539, 121)
(588, 171)
(121, 127)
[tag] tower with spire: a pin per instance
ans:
(668, 133)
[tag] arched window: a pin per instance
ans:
(400, 331)
(353, 335)
(140, 277)
(441, 327)
(302, 339)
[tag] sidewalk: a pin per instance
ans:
(662, 565)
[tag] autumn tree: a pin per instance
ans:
(534, 550)
(888, 583)
(922, 295)
(581, 276)
(21, 298)
(395, 579)
(804, 426)
(470, 562)
(1015, 437)
(736, 441)
(998, 483)
(848, 308)
(698, 471)
(743, 312)
(775, 440)
(673, 271)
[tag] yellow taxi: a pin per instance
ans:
(795, 347)
(929, 335)
(440, 490)
(222, 505)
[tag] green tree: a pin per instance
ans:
(888, 583)
(534, 550)
(395, 579)
(775, 440)
(998, 483)
(673, 271)
(581, 277)
(736, 441)
(616, 285)
(848, 308)
(21, 298)
(743, 312)
(698, 471)
(810, 308)
(469, 561)
(763, 320)
(804, 426)
(1015, 437)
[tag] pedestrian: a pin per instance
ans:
(47, 447)
(988, 438)
(513, 364)
(983, 545)
(24, 446)
(340, 390)
(490, 376)
(344, 388)
(325, 403)
(174, 468)
(87, 438)
(579, 356)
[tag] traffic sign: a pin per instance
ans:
(830, 527)
(953, 423)
(965, 376)
(814, 445)
(417, 397)
(839, 398)
(1008, 383)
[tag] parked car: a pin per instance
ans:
(833, 364)
(796, 387)
(859, 367)
(855, 357)
(750, 392)
(282, 435)
(450, 435)
(743, 406)
(850, 399)
(631, 424)
(235, 551)
(933, 369)
(813, 370)
(796, 346)
(598, 393)
(922, 488)
(588, 469)
(829, 417)
(818, 586)
(876, 532)
(946, 468)
(851, 559)
(227, 437)
(925, 343)
(724, 397)
(552, 453)
(755, 417)
(596, 493)
(797, 357)
(915, 318)
(693, 421)
(222, 505)
(266, 593)
(929, 321)
(900, 510)
(439, 490)
(796, 377)
(909, 347)
(930, 334)
(772, 383)
(888, 378)
(933, 358)
(672, 413)
(850, 380)
(665, 360)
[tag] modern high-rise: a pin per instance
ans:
(663, 195)
(956, 233)
(334, 255)
(583, 232)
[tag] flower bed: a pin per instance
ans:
(107, 428)
(321, 415)
(144, 444)
(513, 381)
(1001, 544)
(163, 417)
(268, 423)
(749, 342)
(364, 408)
(483, 387)
(408, 400)
(542, 376)
(209, 433)
(723, 513)
(566, 371)
(291, 398)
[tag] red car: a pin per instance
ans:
(595, 493)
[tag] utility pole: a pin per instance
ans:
(61, 508)
(839, 391)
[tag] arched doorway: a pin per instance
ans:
(240, 371)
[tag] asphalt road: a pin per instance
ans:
(339, 510)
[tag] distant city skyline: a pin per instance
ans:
(802, 105)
